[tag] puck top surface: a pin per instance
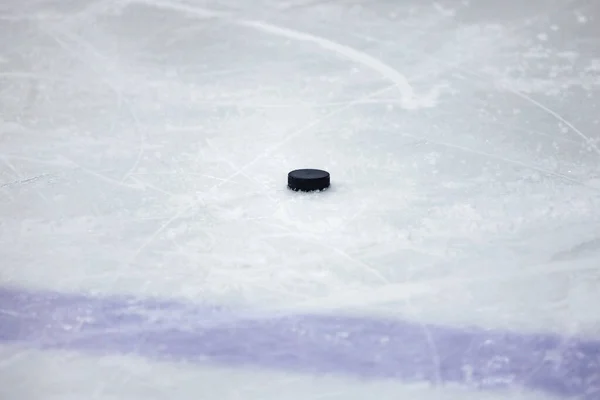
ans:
(308, 179)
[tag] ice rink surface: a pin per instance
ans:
(149, 248)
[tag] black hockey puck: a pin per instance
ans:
(308, 180)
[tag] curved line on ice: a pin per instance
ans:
(407, 95)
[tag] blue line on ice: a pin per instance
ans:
(318, 344)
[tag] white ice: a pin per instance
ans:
(144, 147)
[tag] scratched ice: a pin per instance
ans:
(150, 250)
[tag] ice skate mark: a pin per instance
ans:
(235, 167)
(24, 181)
(509, 161)
(586, 139)
(431, 345)
(528, 130)
(407, 95)
(183, 211)
(539, 105)
(366, 267)
(129, 108)
(369, 269)
(434, 353)
(121, 99)
(142, 185)
(354, 260)
(102, 177)
(20, 177)
(179, 214)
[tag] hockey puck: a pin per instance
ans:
(308, 180)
